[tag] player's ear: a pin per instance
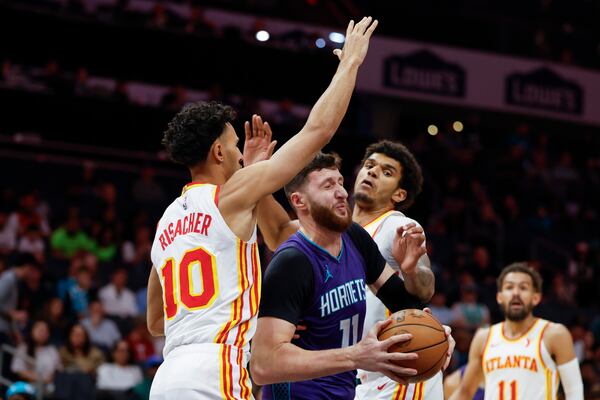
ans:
(537, 297)
(399, 195)
(298, 201)
(216, 150)
(498, 298)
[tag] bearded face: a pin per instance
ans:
(336, 217)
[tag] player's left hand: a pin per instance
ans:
(451, 341)
(257, 145)
(408, 247)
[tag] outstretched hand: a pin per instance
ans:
(408, 247)
(257, 145)
(357, 40)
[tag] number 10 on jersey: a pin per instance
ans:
(179, 286)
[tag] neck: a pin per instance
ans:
(209, 173)
(329, 240)
(363, 215)
(513, 329)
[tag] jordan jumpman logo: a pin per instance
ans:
(327, 273)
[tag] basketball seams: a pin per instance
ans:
(427, 347)
(410, 324)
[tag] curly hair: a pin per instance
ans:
(191, 133)
(411, 178)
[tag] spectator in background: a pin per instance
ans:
(148, 194)
(102, 331)
(439, 308)
(121, 374)
(117, 299)
(106, 248)
(69, 239)
(30, 212)
(54, 315)
(34, 291)
(47, 359)
(8, 235)
(32, 242)
(9, 294)
(140, 341)
(80, 294)
(468, 313)
(78, 354)
(142, 390)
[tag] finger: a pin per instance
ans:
(247, 130)
(395, 378)
(259, 127)
(296, 336)
(254, 126)
(301, 327)
(338, 53)
(268, 131)
(402, 371)
(447, 329)
(270, 150)
(362, 27)
(409, 226)
(427, 310)
(404, 337)
(447, 362)
(400, 231)
(350, 27)
(402, 356)
(369, 31)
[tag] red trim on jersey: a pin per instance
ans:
(217, 190)
(540, 340)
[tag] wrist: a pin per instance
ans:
(351, 62)
(352, 357)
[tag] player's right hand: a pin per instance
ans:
(357, 41)
(371, 354)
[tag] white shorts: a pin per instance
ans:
(203, 372)
(380, 387)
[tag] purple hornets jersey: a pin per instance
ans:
(334, 317)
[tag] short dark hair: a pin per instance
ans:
(411, 178)
(321, 161)
(522, 267)
(191, 133)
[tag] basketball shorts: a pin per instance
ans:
(375, 386)
(201, 372)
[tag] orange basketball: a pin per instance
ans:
(429, 342)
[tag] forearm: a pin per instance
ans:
(274, 222)
(288, 362)
(421, 283)
(154, 305)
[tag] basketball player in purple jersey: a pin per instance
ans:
(320, 276)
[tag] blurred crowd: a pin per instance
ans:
(79, 251)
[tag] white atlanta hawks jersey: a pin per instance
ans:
(377, 386)
(520, 368)
(210, 278)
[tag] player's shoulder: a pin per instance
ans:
(556, 331)
(481, 337)
(397, 219)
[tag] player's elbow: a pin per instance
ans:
(156, 328)
(426, 294)
(260, 372)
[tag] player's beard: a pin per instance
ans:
(328, 219)
(517, 315)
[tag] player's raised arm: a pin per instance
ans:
(247, 186)
(474, 372)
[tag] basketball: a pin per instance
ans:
(429, 342)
